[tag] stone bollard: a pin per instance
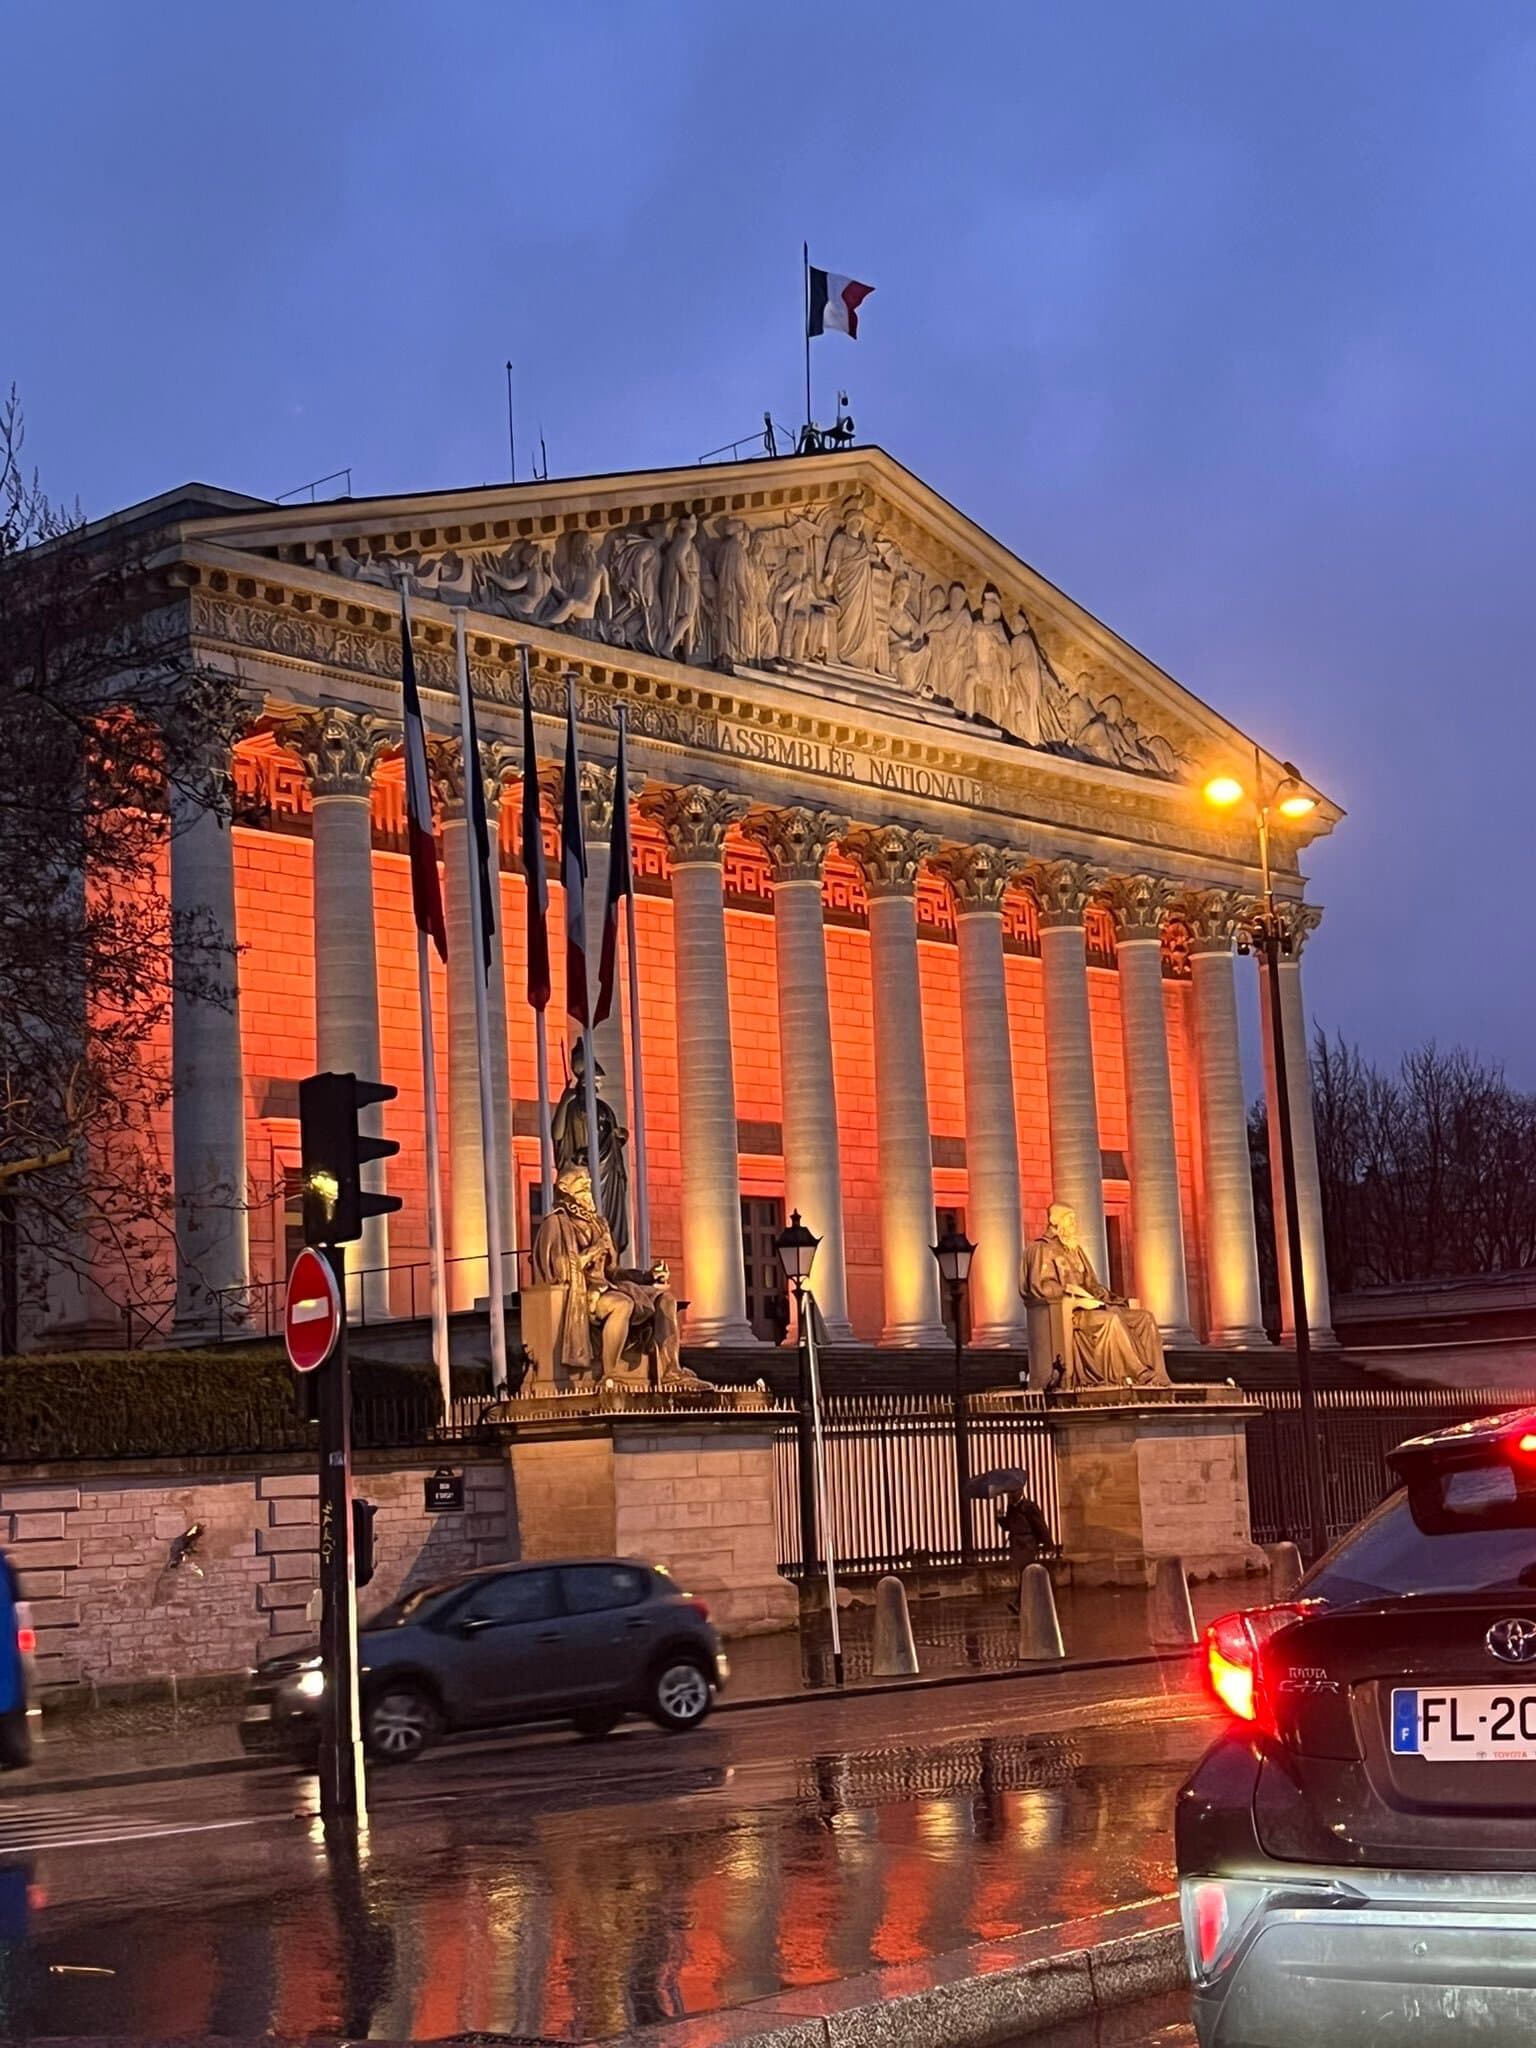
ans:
(895, 1651)
(1284, 1569)
(1173, 1619)
(1039, 1627)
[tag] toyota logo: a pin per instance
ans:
(1513, 1640)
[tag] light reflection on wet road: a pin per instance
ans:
(544, 1888)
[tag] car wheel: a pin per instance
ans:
(680, 1693)
(596, 1722)
(399, 1722)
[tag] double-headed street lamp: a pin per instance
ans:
(954, 1252)
(1287, 798)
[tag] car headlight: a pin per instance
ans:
(309, 1685)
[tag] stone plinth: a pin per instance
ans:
(1136, 1483)
(698, 1500)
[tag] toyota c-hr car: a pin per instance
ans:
(1357, 1853)
(586, 1641)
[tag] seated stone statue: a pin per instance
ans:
(573, 1250)
(1113, 1344)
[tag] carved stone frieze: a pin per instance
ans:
(1063, 889)
(796, 841)
(339, 749)
(1140, 903)
(978, 876)
(889, 856)
(694, 820)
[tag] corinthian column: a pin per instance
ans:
(608, 1038)
(207, 1074)
(1062, 890)
(468, 1274)
(797, 843)
(890, 856)
(340, 751)
(1304, 918)
(695, 820)
(1231, 1248)
(1139, 903)
(978, 878)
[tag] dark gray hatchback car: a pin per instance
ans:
(587, 1640)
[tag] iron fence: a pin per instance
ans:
(1359, 1426)
(892, 1481)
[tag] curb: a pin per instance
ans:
(225, 1766)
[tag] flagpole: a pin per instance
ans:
(589, 1054)
(438, 1269)
(805, 267)
(490, 1175)
(637, 1071)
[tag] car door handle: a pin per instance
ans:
(636, 1628)
(549, 1635)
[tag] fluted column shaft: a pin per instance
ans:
(1062, 890)
(1157, 1218)
(797, 842)
(468, 1276)
(890, 857)
(978, 877)
(1231, 1245)
(207, 1075)
(608, 1037)
(1309, 1192)
(695, 820)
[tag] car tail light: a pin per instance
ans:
(26, 1634)
(1208, 1918)
(1216, 1914)
(1232, 1647)
(700, 1607)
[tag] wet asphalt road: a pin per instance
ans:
(540, 1887)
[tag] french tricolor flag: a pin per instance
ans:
(833, 302)
(573, 873)
(426, 887)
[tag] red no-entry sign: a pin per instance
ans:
(312, 1314)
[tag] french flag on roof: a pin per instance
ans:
(833, 302)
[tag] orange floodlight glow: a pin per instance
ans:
(1224, 791)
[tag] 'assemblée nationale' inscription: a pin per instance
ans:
(842, 764)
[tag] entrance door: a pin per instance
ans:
(762, 1218)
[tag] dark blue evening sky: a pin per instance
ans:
(1220, 315)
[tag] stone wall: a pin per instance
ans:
(94, 1552)
(563, 1488)
(701, 1504)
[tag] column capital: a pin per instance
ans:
(796, 841)
(889, 856)
(1063, 889)
(339, 749)
(596, 783)
(1215, 917)
(445, 761)
(1302, 920)
(1139, 903)
(695, 820)
(978, 876)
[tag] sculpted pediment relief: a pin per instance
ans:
(818, 589)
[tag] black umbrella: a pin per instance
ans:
(986, 1485)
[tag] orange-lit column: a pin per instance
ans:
(608, 1037)
(340, 751)
(1062, 890)
(695, 820)
(797, 843)
(890, 856)
(207, 1075)
(1304, 920)
(1231, 1245)
(1140, 903)
(978, 878)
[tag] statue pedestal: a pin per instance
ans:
(1140, 1481)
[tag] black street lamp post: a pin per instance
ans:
(796, 1247)
(954, 1252)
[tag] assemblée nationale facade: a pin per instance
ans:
(932, 919)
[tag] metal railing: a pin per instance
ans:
(892, 1482)
(1359, 1426)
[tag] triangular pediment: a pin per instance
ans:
(841, 570)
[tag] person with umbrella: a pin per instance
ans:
(1019, 1517)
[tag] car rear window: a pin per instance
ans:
(1470, 1529)
(590, 1588)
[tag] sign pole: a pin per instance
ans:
(342, 1793)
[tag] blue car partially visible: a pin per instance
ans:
(17, 1642)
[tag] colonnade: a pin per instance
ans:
(340, 751)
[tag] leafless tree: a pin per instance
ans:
(105, 718)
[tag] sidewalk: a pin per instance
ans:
(958, 1641)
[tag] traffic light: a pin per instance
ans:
(334, 1154)
(363, 1512)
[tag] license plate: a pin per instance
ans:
(1467, 1724)
(261, 1713)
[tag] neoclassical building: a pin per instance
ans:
(933, 920)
